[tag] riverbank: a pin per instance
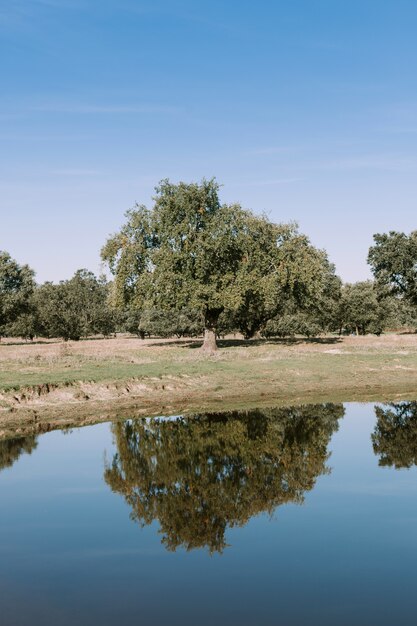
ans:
(105, 378)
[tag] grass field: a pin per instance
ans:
(115, 376)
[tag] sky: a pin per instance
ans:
(303, 109)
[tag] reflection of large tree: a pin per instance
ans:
(395, 436)
(199, 475)
(12, 449)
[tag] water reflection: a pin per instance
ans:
(12, 449)
(202, 474)
(395, 436)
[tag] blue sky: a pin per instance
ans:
(304, 109)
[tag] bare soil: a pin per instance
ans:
(51, 384)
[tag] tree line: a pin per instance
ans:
(191, 265)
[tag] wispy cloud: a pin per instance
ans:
(25, 6)
(59, 4)
(75, 172)
(402, 130)
(271, 150)
(397, 117)
(86, 108)
(271, 182)
(20, 13)
(381, 162)
(183, 11)
(93, 108)
(23, 136)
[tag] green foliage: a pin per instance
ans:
(404, 314)
(75, 308)
(164, 324)
(312, 315)
(393, 260)
(184, 254)
(395, 437)
(324, 309)
(202, 474)
(291, 324)
(192, 253)
(362, 311)
(281, 267)
(171, 323)
(17, 285)
(12, 449)
(129, 320)
(27, 325)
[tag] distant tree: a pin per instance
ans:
(324, 309)
(202, 474)
(12, 449)
(130, 320)
(291, 324)
(393, 260)
(395, 437)
(75, 308)
(191, 252)
(17, 285)
(361, 310)
(27, 325)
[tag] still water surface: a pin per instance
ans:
(293, 516)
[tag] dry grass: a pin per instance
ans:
(98, 377)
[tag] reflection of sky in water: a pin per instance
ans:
(69, 553)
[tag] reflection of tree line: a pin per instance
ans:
(12, 449)
(395, 436)
(202, 474)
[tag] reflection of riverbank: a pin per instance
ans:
(28, 421)
(202, 474)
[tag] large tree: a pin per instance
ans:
(192, 252)
(202, 474)
(393, 260)
(17, 285)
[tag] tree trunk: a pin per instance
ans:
(210, 324)
(209, 343)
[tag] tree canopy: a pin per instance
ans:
(74, 308)
(201, 474)
(393, 260)
(361, 310)
(17, 285)
(192, 252)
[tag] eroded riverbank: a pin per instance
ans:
(53, 383)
